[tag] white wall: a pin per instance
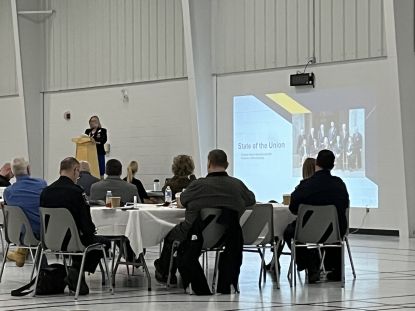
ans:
(13, 139)
(152, 128)
(105, 42)
(8, 79)
(377, 77)
(263, 34)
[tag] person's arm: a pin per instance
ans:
(191, 192)
(142, 193)
(297, 197)
(247, 195)
(85, 219)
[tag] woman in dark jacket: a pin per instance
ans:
(182, 168)
(99, 134)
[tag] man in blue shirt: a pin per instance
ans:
(25, 193)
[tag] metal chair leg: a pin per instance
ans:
(342, 263)
(37, 276)
(145, 268)
(37, 258)
(262, 267)
(294, 273)
(264, 270)
(2, 238)
(276, 260)
(4, 260)
(107, 271)
(350, 256)
(81, 273)
(215, 272)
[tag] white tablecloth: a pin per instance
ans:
(148, 225)
(144, 227)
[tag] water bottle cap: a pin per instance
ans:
(156, 180)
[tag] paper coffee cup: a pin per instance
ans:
(115, 201)
(286, 199)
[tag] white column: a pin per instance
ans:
(197, 34)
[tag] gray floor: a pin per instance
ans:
(385, 281)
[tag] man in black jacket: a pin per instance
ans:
(64, 193)
(320, 189)
(218, 190)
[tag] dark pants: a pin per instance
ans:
(101, 164)
(163, 263)
(93, 257)
(310, 258)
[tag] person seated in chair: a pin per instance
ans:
(24, 193)
(64, 193)
(217, 190)
(115, 184)
(5, 175)
(320, 189)
(183, 168)
(86, 179)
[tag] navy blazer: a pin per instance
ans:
(100, 137)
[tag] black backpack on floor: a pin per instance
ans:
(51, 282)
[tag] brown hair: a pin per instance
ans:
(309, 167)
(183, 165)
(131, 170)
(68, 164)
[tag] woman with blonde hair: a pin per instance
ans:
(132, 169)
(99, 135)
(182, 168)
(309, 167)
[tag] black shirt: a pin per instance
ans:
(322, 189)
(4, 182)
(142, 193)
(100, 136)
(63, 193)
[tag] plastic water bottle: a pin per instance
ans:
(168, 195)
(108, 198)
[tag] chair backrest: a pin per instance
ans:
(317, 224)
(214, 231)
(59, 231)
(17, 227)
(258, 228)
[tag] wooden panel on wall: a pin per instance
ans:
(104, 42)
(8, 80)
(279, 33)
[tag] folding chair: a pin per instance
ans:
(18, 232)
(212, 241)
(317, 227)
(258, 233)
(56, 225)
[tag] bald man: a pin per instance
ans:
(86, 179)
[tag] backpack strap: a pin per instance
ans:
(22, 291)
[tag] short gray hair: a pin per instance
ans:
(19, 166)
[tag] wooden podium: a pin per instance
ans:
(86, 150)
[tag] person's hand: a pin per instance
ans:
(1, 205)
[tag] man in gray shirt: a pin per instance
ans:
(218, 190)
(115, 184)
(86, 179)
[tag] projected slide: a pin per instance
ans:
(275, 133)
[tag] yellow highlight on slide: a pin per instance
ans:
(288, 103)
